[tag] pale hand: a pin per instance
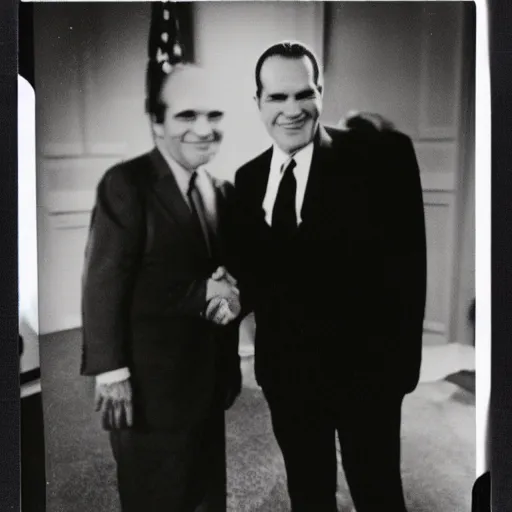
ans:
(223, 297)
(222, 273)
(114, 402)
(222, 284)
(223, 311)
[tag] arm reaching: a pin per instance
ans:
(111, 260)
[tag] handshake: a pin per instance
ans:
(223, 298)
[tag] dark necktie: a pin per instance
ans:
(284, 216)
(198, 210)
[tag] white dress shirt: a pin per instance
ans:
(278, 164)
(205, 186)
(203, 183)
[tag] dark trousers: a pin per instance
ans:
(367, 420)
(178, 471)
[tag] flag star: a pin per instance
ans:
(160, 56)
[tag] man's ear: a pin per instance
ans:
(158, 128)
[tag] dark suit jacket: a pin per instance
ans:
(144, 289)
(345, 298)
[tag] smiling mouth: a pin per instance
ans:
(202, 145)
(295, 125)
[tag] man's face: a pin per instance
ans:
(191, 131)
(290, 102)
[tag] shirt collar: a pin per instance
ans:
(302, 157)
(181, 175)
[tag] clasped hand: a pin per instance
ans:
(223, 297)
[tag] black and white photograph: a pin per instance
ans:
(255, 255)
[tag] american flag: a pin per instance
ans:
(166, 45)
(169, 43)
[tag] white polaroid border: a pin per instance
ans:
(483, 238)
(28, 309)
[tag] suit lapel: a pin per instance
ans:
(320, 163)
(219, 220)
(172, 203)
(260, 185)
(220, 199)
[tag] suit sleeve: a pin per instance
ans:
(237, 244)
(111, 260)
(188, 298)
(113, 256)
(412, 253)
(229, 342)
(231, 372)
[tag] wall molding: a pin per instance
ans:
(434, 327)
(439, 198)
(438, 182)
(436, 156)
(68, 185)
(438, 323)
(70, 220)
(69, 201)
(62, 149)
(106, 149)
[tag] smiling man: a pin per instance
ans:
(330, 239)
(165, 362)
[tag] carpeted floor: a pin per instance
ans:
(438, 445)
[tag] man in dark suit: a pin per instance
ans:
(166, 361)
(330, 238)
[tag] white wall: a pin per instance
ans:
(90, 65)
(373, 62)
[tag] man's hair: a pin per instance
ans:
(155, 82)
(288, 50)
